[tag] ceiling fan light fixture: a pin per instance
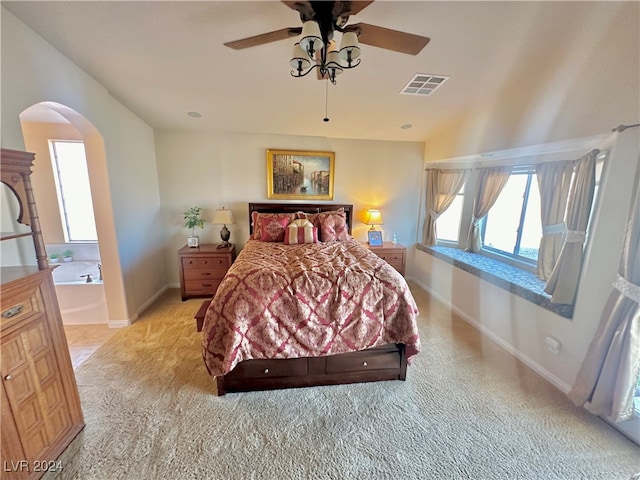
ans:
(349, 47)
(311, 40)
(333, 64)
(300, 60)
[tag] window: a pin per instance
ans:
(74, 192)
(512, 226)
(448, 223)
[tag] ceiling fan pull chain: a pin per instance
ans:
(326, 101)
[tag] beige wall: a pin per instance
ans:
(33, 72)
(213, 170)
(591, 85)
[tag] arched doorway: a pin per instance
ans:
(47, 121)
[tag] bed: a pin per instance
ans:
(291, 314)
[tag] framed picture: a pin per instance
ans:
(300, 175)
(375, 238)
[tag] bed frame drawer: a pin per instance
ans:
(387, 362)
(271, 368)
(373, 359)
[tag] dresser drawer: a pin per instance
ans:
(203, 268)
(202, 287)
(392, 257)
(206, 262)
(397, 265)
(204, 274)
(373, 360)
(17, 307)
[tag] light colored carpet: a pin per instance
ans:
(467, 410)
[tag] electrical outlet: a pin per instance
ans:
(553, 345)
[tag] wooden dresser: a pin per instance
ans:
(203, 268)
(394, 255)
(41, 412)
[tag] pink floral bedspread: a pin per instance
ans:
(288, 301)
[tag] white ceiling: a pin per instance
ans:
(163, 59)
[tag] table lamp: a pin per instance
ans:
(373, 218)
(223, 217)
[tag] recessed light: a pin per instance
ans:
(194, 114)
(406, 126)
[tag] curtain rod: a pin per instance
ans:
(622, 128)
(553, 152)
(518, 162)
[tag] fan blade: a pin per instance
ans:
(395, 40)
(264, 38)
(351, 8)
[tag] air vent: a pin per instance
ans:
(423, 84)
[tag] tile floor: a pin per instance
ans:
(83, 340)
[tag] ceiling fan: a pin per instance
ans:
(332, 16)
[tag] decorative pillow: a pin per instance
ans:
(307, 216)
(270, 227)
(333, 226)
(300, 231)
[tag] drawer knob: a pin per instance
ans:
(364, 364)
(266, 370)
(8, 377)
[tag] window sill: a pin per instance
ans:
(520, 282)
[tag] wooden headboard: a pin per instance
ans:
(300, 207)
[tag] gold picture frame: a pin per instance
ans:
(300, 175)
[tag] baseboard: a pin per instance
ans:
(142, 308)
(149, 302)
(528, 361)
(119, 323)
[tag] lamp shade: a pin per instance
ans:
(223, 217)
(349, 48)
(300, 59)
(333, 60)
(373, 217)
(311, 40)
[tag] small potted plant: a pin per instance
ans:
(67, 255)
(54, 258)
(193, 218)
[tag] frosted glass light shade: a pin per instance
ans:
(223, 217)
(311, 37)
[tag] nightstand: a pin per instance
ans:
(202, 269)
(394, 255)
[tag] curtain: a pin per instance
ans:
(563, 282)
(489, 184)
(442, 188)
(554, 179)
(606, 381)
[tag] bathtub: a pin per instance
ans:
(80, 302)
